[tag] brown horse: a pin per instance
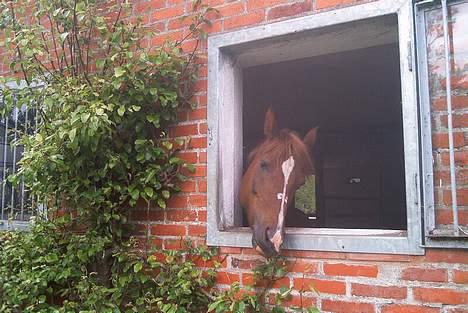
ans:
(277, 168)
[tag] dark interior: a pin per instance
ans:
(355, 99)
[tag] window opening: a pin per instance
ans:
(240, 66)
(354, 98)
(16, 204)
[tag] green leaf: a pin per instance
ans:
(137, 267)
(166, 194)
(63, 36)
(100, 63)
(149, 192)
(119, 72)
(121, 110)
(72, 134)
(161, 203)
(85, 117)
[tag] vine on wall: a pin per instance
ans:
(104, 103)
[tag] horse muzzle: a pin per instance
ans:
(266, 241)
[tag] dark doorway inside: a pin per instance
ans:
(355, 99)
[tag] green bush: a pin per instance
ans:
(49, 270)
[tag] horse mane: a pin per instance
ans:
(284, 145)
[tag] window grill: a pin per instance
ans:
(16, 204)
(442, 61)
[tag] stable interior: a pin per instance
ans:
(355, 98)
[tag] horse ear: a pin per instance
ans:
(311, 137)
(269, 128)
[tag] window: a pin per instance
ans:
(441, 24)
(352, 72)
(16, 206)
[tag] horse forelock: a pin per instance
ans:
(281, 147)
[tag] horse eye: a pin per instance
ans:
(264, 165)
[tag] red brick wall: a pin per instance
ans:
(346, 282)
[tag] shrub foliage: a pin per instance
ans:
(104, 103)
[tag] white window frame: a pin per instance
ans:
(230, 52)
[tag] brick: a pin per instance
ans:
(167, 13)
(322, 4)
(379, 257)
(159, 40)
(197, 230)
(230, 9)
(462, 197)
(202, 128)
(461, 158)
(347, 306)
(202, 217)
(147, 6)
(401, 308)
(441, 295)
(246, 264)
(458, 102)
(445, 216)
(176, 202)
(320, 285)
(440, 140)
(226, 278)
(339, 269)
(229, 250)
(302, 266)
(289, 10)
(144, 215)
(461, 177)
(168, 230)
(174, 244)
(200, 171)
(294, 301)
(388, 292)
(139, 230)
(182, 215)
(197, 201)
(202, 157)
(460, 277)
(184, 130)
(244, 20)
(447, 256)
(200, 85)
(188, 186)
(248, 280)
(202, 186)
(458, 121)
(189, 157)
(261, 4)
(201, 100)
(198, 114)
(424, 274)
(197, 143)
(179, 22)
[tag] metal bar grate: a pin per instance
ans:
(16, 204)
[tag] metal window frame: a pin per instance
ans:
(449, 241)
(227, 54)
(7, 224)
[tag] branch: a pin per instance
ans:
(18, 50)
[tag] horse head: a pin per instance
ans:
(277, 168)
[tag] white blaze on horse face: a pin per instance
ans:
(287, 168)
